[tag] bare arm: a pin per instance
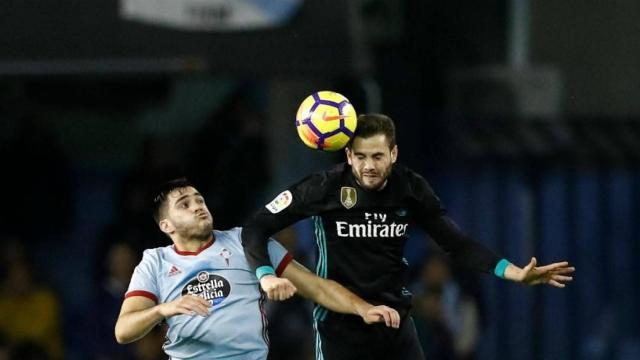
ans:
(139, 314)
(336, 297)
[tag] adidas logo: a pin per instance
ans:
(174, 271)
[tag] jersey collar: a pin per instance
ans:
(193, 253)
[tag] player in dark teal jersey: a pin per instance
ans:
(362, 210)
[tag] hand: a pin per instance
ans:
(553, 274)
(381, 313)
(187, 305)
(277, 288)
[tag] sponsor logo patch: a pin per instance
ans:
(348, 197)
(280, 203)
(208, 286)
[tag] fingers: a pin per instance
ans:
(382, 313)
(565, 270)
(192, 305)
(561, 278)
(199, 305)
(530, 266)
(553, 266)
(395, 319)
(386, 316)
(556, 284)
(277, 288)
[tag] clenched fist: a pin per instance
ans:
(277, 288)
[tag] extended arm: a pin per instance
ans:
(139, 314)
(336, 297)
(472, 254)
(463, 250)
(475, 255)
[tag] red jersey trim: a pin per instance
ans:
(192, 253)
(283, 264)
(146, 294)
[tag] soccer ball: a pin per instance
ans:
(326, 121)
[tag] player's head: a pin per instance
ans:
(179, 209)
(372, 151)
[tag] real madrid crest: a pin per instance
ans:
(348, 197)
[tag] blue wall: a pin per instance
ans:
(586, 215)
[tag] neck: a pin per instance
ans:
(191, 244)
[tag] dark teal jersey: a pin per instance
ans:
(361, 233)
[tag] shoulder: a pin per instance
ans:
(229, 237)
(228, 232)
(314, 187)
(414, 182)
(152, 253)
(405, 172)
(155, 255)
(327, 176)
(319, 182)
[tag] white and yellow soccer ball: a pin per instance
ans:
(326, 121)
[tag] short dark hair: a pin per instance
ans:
(375, 124)
(160, 199)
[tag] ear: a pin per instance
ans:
(347, 151)
(166, 226)
(394, 154)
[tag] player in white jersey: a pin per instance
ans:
(204, 289)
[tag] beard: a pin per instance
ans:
(375, 183)
(198, 229)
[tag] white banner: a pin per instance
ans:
(217, 15)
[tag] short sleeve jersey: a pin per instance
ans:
(236, 325)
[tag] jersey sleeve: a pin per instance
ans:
(297, 202)
(279, 256)
(144, 280)
(432, 217)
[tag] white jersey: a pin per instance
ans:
(236, 325)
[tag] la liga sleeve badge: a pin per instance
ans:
(281, 202)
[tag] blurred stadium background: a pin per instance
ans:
(524, 115)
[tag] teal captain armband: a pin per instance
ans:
(264, 270)
(501, 267)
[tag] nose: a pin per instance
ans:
(368, 164)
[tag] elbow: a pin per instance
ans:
(121, 336)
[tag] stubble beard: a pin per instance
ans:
(201, 230)
(381, 180)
